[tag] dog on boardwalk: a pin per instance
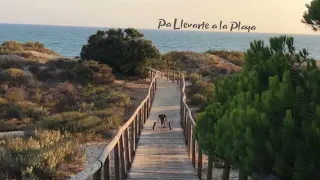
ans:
(162, 118)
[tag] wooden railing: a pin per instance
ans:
(123, 145)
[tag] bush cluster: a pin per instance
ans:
(205, 64)
(45, 155)
(264, 120)
(234, 57)
(126, 51)
(199, 90)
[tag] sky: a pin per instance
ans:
(269, 16)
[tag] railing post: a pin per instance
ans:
(189, 136)
(136, 130)
(199, 161)
(97, 175)
(116, 161)
(106, 169)
(156, 85)
(185, 123)
(242, 174)
(210, 164)
(145, 112)
(173, 76)
(181, 109)
(178, 77)
(147, 109)
(149, 105)
(167, 74)
(141, 119)
(126, 147)
(122, 154)
(193, 148)
(133, 138)
(183, 117)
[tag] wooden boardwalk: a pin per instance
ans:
(161, 153)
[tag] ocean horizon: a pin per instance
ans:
(68, 40)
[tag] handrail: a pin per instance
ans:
(124, 142)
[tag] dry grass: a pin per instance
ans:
(202, 63)
(45, 155)
(32, 51)
(82, 98)
(235, 57)
(14, 46)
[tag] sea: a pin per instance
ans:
(68, 41)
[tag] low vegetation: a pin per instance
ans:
(68, 102)
(45, 155)
(33, 51)
(205, 64)
(199, 90)
(235, 57)
(30, 96)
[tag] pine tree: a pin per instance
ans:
(266, 118)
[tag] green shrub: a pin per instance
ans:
(111, 99)
(14, 112)
(37, 95)
(13, 73)
(265, 119)
(197, 99)
(15, 124)
(208, 90)
(125, 51)
(66, 64)
(83, 123)
(93, 72)
(20, 115)
(3, 101)
(157, 63)
(16, 77)
(194, 77)
(16, 94)
(119, 98)
(198, 87)
(11, 61)
(36, 113)
(65, 75)
(234, 57)
(43, 156)
(14, 46)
